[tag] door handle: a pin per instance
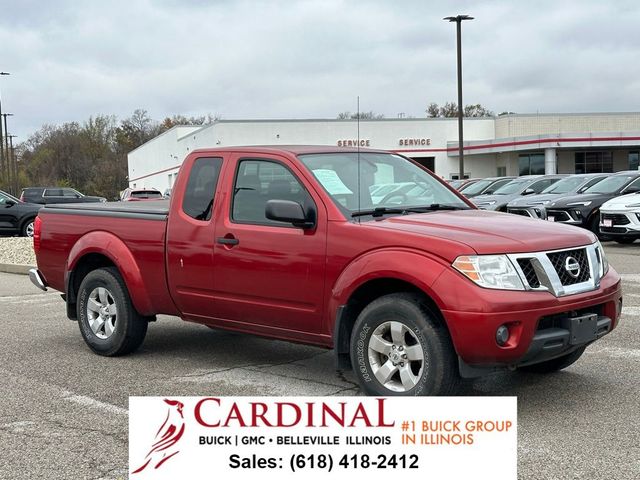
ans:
(228, 241)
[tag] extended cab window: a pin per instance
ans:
(201, 188)
(258, 181)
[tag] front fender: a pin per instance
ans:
(109, 245)
(411, 266)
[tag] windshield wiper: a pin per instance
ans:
(380, 211)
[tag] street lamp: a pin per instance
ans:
(459, 19)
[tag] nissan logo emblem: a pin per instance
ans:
(572, 267)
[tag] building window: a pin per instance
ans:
(634, 160)
(501, 172)
(594, 162)
(531, 164)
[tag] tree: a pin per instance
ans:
(363, 116)
(433, 111)
(450, 110)
(170, 122)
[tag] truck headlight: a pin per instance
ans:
(489, 271)
(603, 263)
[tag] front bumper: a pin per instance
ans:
(532, 211)
(568, 216)
(537, 321)
(620, 224)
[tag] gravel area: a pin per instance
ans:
(17, 251)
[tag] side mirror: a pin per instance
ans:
(9, 203)
(290, 212)
(528, 191)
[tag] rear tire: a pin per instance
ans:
(556, 364)
(399, 347)
(109, 324)
(28, 228)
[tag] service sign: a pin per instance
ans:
(310, 437)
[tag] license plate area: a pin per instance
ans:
(607, 223)
(583, 329)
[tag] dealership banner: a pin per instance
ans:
(310, 437)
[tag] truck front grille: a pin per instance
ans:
(560, 261)
(529, 272)
(560, 272)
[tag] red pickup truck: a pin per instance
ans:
(413, 290)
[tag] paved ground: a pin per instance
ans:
(63, 409)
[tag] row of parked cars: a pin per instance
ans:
(17, 215)
(608, 204)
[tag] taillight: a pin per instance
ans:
(22, 197)
(36, 234)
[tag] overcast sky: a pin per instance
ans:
(310, 59)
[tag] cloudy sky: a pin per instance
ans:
(311, 58)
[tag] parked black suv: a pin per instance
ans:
(16, 217)
(47, 195)
(583, 210)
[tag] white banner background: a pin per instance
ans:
(492, 455)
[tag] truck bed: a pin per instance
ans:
(72, 229)
(149, 209)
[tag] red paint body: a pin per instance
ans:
(288, 283)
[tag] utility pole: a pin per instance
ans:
(13, 166)
(2, 163)
(458, 20)
(6, 141)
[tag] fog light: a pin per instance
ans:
(502, 335)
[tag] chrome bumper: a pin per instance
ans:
(36, 279)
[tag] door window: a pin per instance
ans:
(257, 182)
(201, 188)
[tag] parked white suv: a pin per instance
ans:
(620, 218)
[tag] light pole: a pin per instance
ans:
(459, 19)
(6, 141)
(13, 166)
(1, 135)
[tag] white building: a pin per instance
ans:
(515, 144)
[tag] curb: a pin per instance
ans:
(18, 269)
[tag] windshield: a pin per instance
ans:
(386, 180)
(146, 194)
(476, 187)
(5, 196)
(611, 184)
(512, 187)
(566, 185)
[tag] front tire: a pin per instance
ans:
(555, 364)
(109, 324)
(398, 347)
(625, 240)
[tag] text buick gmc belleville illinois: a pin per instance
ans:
(413, 290)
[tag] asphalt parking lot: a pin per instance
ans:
(63, 410)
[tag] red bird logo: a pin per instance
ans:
(167, 436)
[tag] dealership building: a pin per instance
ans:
(515, 144)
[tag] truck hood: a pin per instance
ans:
(489, 232)
(622, 203)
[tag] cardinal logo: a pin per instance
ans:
(168, 435)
